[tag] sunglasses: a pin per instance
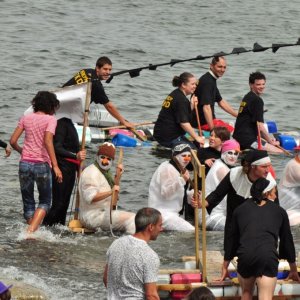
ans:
(233, 153)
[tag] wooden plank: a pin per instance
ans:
(179, 271)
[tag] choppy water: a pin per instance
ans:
(43, 43)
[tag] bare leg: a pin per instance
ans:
(36, 220)
(247, 285)
(271, 148)
(266, 287)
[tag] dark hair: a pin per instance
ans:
(216, 59)
(256, 76)
(144, 217)
(182, 78)
(222, 133)
(257, 189)
(6, 295)
(103, 60)
(201, 293)
(46, 102)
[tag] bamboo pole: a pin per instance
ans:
(124, 127)
(204, 270)
(179, 271)
(76, 223)
(195, 162)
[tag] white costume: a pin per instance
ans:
(216, 220)
(96, 214)
(289, 191)
(166, 192)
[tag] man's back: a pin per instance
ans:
(131, 264)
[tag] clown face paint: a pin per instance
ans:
(104, 162)
(184, 158)
(230, 157)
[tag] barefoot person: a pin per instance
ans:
(37, 156)
(256, 226)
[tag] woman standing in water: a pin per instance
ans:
(37, 156)
(174, 119)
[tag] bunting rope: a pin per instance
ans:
(238, 50)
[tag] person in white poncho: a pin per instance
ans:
(168, 187)
(96, 186)
(229, 155)
(289, 189)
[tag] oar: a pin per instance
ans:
(115, 194)
(138, 135)
(196, 164)
(198, 120)
(281, 148)
(124, 127)
(260, 147)
(76, 223)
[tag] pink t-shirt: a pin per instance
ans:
(35, 125)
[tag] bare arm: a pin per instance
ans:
(266, 135)
(105, 275)
(14, 139)
(187, 127)
(208, 116)
(48, 140)
(151, 291)
(115, 113)
(227, 107)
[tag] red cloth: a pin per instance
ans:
(218, 123)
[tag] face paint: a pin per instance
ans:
(230, 157)
(184, 158)
(104, 162)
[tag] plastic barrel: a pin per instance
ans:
(287, 142)
(272, 127)
(123, 141)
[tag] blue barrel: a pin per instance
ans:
(123, 140)
(287, 142)
(272, 127)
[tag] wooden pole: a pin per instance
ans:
(124, 127)
(85, 125)
(198, 120)
(204, 270)
(196, 163)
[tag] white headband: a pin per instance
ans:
(271, 185)
(262, 161)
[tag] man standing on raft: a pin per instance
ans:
(208, 94)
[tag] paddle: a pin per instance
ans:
(260, 147)
(198, 120)
(124, 127)
(75, 223)
(115, 194)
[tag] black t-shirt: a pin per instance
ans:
(175, 109)
(207, 153)
(250, 112)
(98, 94)
(207, 93)
(254, 238)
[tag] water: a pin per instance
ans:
(43, 43)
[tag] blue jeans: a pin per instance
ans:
(40, 173)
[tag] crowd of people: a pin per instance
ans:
(241, 200)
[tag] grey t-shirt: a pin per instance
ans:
(131, 264)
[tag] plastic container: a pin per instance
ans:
(113, 132)
(287, 142)
(186, 278)
(272, 127)
(123, 141)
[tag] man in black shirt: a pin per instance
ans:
(208, 94)
(250, 117)
(98, 95)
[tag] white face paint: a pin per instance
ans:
(184, 158)
(104, 162)
(230, 157)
